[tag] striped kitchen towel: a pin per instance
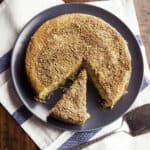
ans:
(14, 14)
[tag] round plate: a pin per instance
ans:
(99, 116)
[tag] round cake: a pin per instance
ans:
(62, 45)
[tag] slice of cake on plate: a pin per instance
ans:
(71, 107)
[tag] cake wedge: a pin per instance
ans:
(71, 108)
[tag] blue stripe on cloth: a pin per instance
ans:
(77, 139)
(145, 83)
(139, 39)
(5, 61)
(21, 115)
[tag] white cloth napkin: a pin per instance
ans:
(14, 14)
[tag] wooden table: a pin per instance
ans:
(12, 137)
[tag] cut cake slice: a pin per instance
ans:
(71, 108)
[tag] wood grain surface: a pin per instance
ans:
(143, 14)
(12, 137)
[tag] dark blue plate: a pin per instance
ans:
(99, 116)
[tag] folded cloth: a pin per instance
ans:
(14, 15)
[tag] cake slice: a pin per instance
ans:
(71, 108)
